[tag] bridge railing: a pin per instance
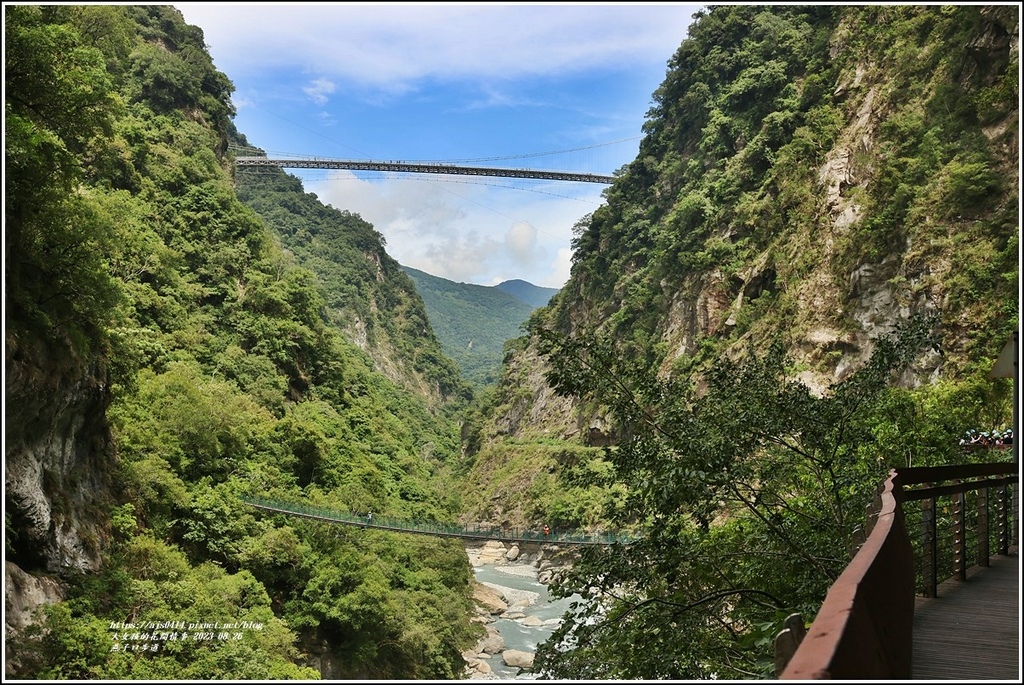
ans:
(440, 529)
(421, 168)
(864, 628)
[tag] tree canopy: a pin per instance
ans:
(747, 496)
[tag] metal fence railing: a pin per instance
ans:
(958, 517)
(933, 523)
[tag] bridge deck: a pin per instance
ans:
(971, 630)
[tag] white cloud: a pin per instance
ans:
(392, 46)
(493, 97)
(521, 241)
(490, 81)
(560, 268)
(318, 90)
(461, 232)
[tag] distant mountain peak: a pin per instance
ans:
(473, 322)
(529, 293)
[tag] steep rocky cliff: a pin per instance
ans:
(811, 180)
(57, 486)
(814, 173)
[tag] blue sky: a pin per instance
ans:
(450, 82)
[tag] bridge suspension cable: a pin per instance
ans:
(542, 154)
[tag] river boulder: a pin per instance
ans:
(489, 599)
(490, 553)
(516, 658)
(493, 643)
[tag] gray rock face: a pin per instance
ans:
(24, 593)
(57, 474)
(57, 462)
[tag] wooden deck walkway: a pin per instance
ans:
(971, 631)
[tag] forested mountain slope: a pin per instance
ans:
(164, 356)
(367, 293)
(813, 173)
(473, 322)
(802, 280)
(534, 295)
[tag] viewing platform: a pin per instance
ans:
(971, 629)
(934, 591)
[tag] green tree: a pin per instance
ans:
(747, 498)
(218, 369)
(58, 98)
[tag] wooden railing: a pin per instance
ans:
(864, 629)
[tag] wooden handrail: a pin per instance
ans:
(864, 626)
(915, 475)
(864, 629)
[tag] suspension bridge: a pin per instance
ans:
(249, 158)
(421, 168)
(480, 533)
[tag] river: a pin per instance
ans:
(521, 582)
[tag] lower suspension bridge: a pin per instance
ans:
(434, 528)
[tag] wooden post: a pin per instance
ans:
(786, 642)
(931, 543)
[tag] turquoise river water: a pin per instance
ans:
(523, 578)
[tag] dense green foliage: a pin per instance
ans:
(147, 582)
(366, 291)
(747, 498)
(473, 322)
(251, 341)
(59, 101)
(530, 484)
(811, 178)
(727, 198)
(129, 252)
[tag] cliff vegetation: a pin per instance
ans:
(165, 355)
(802, 281)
